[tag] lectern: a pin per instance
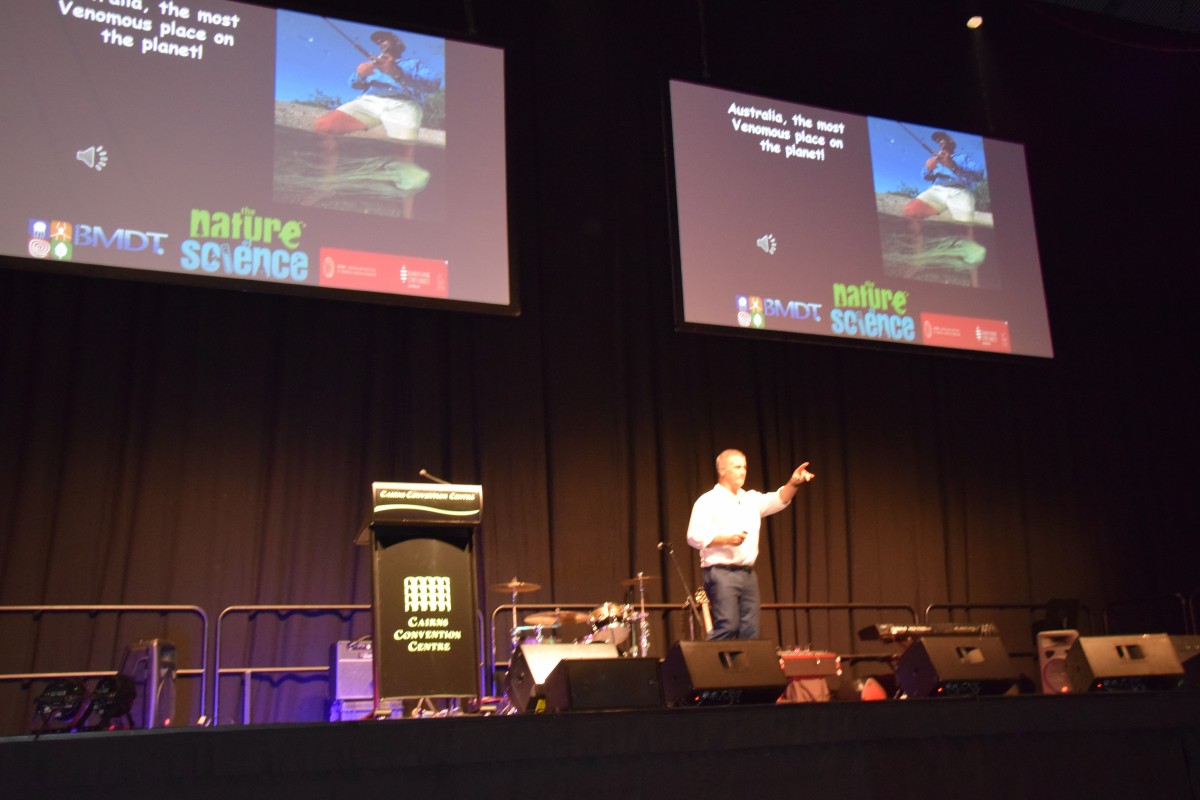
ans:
(423, 582)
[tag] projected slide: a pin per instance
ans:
(220, 140)
(800, 220)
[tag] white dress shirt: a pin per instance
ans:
(720, 511)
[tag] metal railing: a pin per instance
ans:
(500, 618)
(37, 611)
(247, 673)
(1158, 613)
(517, 612)
(852, 608)
(1030, 608)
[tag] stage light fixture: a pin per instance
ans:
(112, 699)
(61, 705)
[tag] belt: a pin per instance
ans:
(733, 567)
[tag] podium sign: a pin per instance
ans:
(423, 578)
(423, 504)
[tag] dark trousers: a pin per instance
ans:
(733, 602)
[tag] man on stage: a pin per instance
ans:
(725, 527)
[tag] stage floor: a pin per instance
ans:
(1144, 745)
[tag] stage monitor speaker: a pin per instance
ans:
(1188, 650)
(1052, 649)
(723, 672)
(151, 666)
(943, 666)
(533, 663)
(1134, 662)
(595, 684)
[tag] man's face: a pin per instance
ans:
(732, 473)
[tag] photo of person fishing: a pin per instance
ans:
(359, 118)
(931, 193)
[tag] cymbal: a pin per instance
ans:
(639, 579)
(556, 617)
(516, 586)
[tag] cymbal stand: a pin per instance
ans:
(641, 623)
(513, 634)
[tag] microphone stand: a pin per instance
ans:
(691, 597)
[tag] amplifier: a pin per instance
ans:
(813, 677)
(809, 663)
(351, 670)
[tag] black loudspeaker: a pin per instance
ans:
(1052, 649)
(1135, 662)
(941, 666)
(1188, 650)
(722, 672)
(151, 665)
(532, 664)
(594, 684)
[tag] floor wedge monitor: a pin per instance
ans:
(1187, 648)
(1134, 662)
(533, 663)
(722, 673)
(943, 666)
(596, 684)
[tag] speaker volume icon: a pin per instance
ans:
(94, 157)
(767, 244)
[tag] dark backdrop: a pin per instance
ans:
(170, 445)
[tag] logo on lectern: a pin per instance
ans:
(427, 593)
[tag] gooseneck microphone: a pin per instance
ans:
(424, 473)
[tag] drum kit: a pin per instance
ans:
(625, 625)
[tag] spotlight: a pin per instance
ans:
(63, 702)
(112, 698)
(975, 22)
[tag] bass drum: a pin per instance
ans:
(610, 623)
(535, 634)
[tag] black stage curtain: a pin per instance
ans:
(175, 445)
